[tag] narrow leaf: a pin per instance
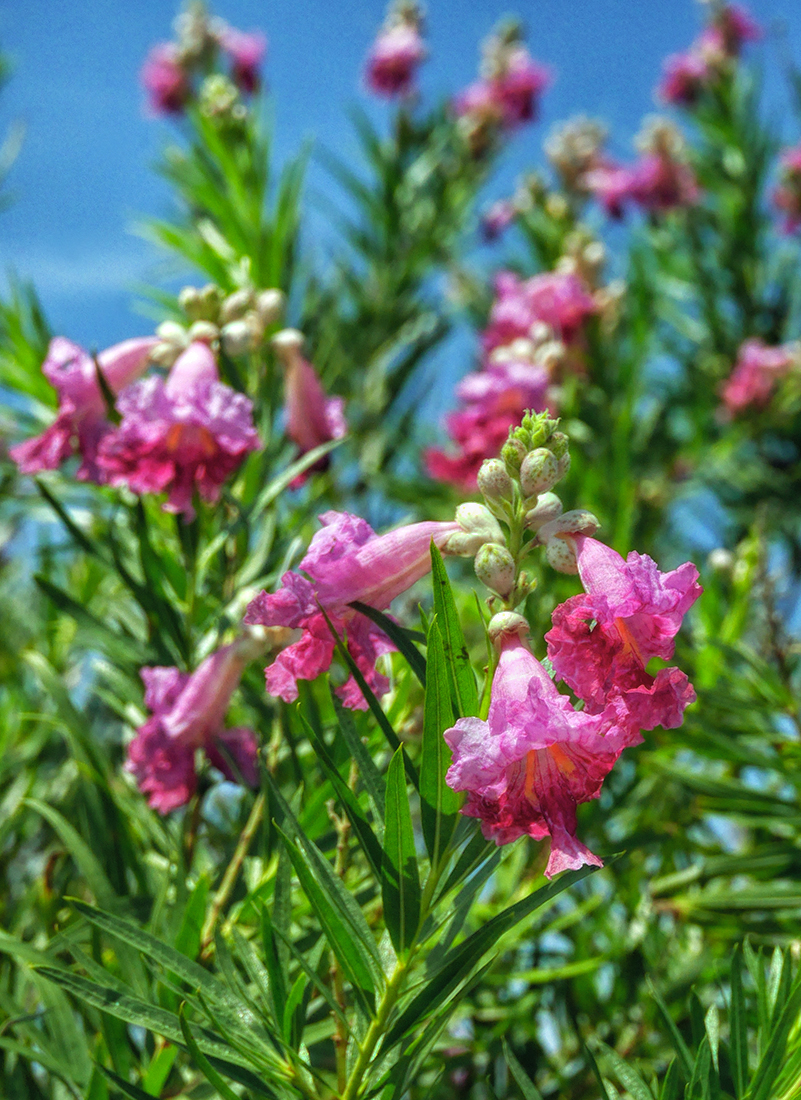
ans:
(439, 805)
(201, 1061)
(401, 638)
(400, 882)
(524, 1082)
(738, 1027)
(463, 681)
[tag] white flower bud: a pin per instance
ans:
(270, 305)
(477, 519)
(720, 560)
(577, 522)
(287, 344)
(172, 333)
(494, 482)
(235, 306)
(204, 331)
(189, 300)
(237, 337)
(547, 508)
(495, 567)
(504, 624)
(561, 553)
(539, 472)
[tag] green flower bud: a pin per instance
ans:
(539, 472)
(558, 443)
(512, 453)
(495, 567)
(235, 306)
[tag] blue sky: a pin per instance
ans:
(83, 177)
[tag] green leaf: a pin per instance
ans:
(764, 1081)
(439, 805)
(461, 960)
(272, 960)
(738, 1027)
(81, 540)
(671, 1086)
(201, 1061)
(628, 1077)
(400, 637)
(457, 657)
(400, 882)
(80, 851)
(133, 1092)
(685, 1058)
(524, 1082)
(369, 773)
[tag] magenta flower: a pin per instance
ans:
(187, 713)
(685, 77)
(536, 759)
(612, 185)
(659, 183)
(756, 372)
(494, 401)
(732, 27)
(246, 52)
(165, 80)
(346, 561)
(82, 421)
(601, 642)
(787, 196)
(519, 87)
(394, 59)
(312, 417)
(190, 432)
(558, 299)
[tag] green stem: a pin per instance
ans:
(376, 1029)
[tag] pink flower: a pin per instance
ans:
(190, 432)
(312, 418)
(658, 183)
(495, 400)
(601, 642)
(247, 52)
(558, 299)
(498, 218)
(612, 185)
(755, 374)
(733, 26)
(187, 713)
(535, 760)
(81, 422)
(165, 80)
(685, 77)
(787, 196)
(394, 59)
(346, 562)
(518, 88)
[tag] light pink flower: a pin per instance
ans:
(494, 401)
(498, 218)
(535, 760)
(394, 59)
(187, 713)
(165, 80)
(600, 643)
(346, 562)
(312, 417)
(612, 185)
(508, 98)
(787, 196)
(190, 432)
(755, 374)
(82, 421)
(247, 51)
(685, 77)
(559, 299)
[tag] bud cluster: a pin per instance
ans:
(237, 322)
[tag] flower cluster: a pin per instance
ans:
(537, 757)
(237, 323)
(397, 51)
(756, 373)
(507, 93)
(787, 195)
(187, 714)
(173, 71)
(532, 338)
(711, 56)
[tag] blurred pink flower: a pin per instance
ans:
(190, 432)
(787, 196)
(659, 183)
(247, 51)
(498, 218)
(559, 299)
(164, 80)
(312, 417)
(346, 562)
(755, 374)
(495, 400)
(82, 416)
(187, 713)
(612, 186)
(600, 643)
(685, 77)
(518, 88)
(394, 59)
(535, 760)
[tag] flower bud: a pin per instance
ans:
(558, 443)
(495, 567)
(505, 623)
(172, 333)
(270, 305)
(237, 337)
(190, 302)
(513, 452)
(576, 522)
(561, 554)
(210, 298)
(547, 508)
(287, 343)
(203, 331)
(477, 519)
(539, 472)
(494, 482)
(563, 465)
(236, 306)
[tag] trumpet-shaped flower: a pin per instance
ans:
(756, 372)
(187, 714)
(535, 760)
(394, 59)
(601, 642)
(346, 562)
(312, 417)
(247, 51)
(82, 421)
(190, 432)
(165, 80)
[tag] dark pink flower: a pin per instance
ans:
(165, 80)
(658, 183)
(519, 86)
(787, 196)
(494, 401)
(190, 432)
(558, 299)
(536, 759)
(247, 52)
(685, 77)
(312, 417)
(732, 27)
(394, 59)
(755, 374)
(82, 421)
(187, 713)
(612, 185)
(601, 643)
(346, 562)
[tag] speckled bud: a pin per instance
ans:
(204, 331)
(512, 453)
(235, 306)
(539, 472)
(494, 481)
(504, 624)
(576, 522)
(287, 343)
(561, 554)
(547, 508)
(237, 337)
(495, 567)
